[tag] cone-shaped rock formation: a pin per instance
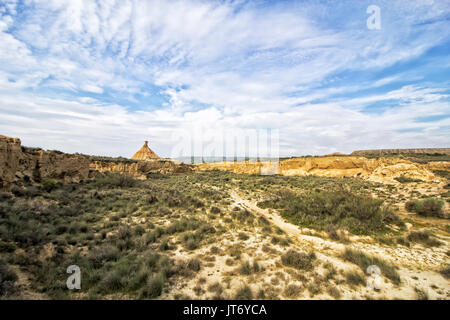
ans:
(145, 153)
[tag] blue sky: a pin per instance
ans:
(100, 77)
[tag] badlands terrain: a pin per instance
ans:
(154, 229)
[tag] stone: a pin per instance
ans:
(145, 153)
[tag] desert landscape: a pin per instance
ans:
(224, 158)
(153, 228)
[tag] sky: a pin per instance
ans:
(100, 77)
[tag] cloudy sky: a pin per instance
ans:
(100, 77)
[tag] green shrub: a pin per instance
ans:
(111, 282)
(124, 232)
(164, 244)
(427, 208)
(154, 286)
(446, 272)
(100, 255)
(424, 238)
(194, 264)
(354, 278)
(191, 240)
(341, 209)
(410, 206)
(292, 291)
(8, 279)
(113, 180)
(244, 293)
(49, 184)
(7, 246)
(334, 292)
(364, 261)
(243, 236)
(298, 260)
(430, 208)
(404, 179)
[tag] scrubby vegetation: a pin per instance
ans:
(298, 260)
(364, 261)
(423, 237)
(8, 280)
(321, 209)
(146, 239)
(427, 208)
(403, 179)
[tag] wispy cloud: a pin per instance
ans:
(99, 77)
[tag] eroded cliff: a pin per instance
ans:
(139, 169)
(379, 170)
(19, 163)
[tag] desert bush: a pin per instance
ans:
(314, 288)
(424, 238)
(279, 240)
(7, 246)
(244, 293)
(194, 264)
(403, 241)
(421, 294)
(124, 232)
(112, 281)
(8, 279)
(334, 292)
(100, 255)
(139, 230)
(427, 208)
(446, 272)
(164, 244)
(5, 196)
(410, 205)
(215, 210)
(154, 286)
(292, 291)
(298, 260)
(191, 240)
(342, 209)
(49, 184)
(404, 179)
(115, 180)
(182, 225)
(354, 278)
(243, 236)
(363, 261)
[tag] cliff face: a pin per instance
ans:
(139, 169)
(17, 163)
(10, 151)
(379, 170)
(25, 164)
(401, 151)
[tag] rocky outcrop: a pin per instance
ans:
(145, 153)
(402, 151)
(379, 170)
(10, 155)
(140, 169)
(438, 165)
(19, 163)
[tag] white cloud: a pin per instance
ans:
(219, 64)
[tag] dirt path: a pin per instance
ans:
(417, 265)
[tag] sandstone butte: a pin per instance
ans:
(145, 153)
(18, 163)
